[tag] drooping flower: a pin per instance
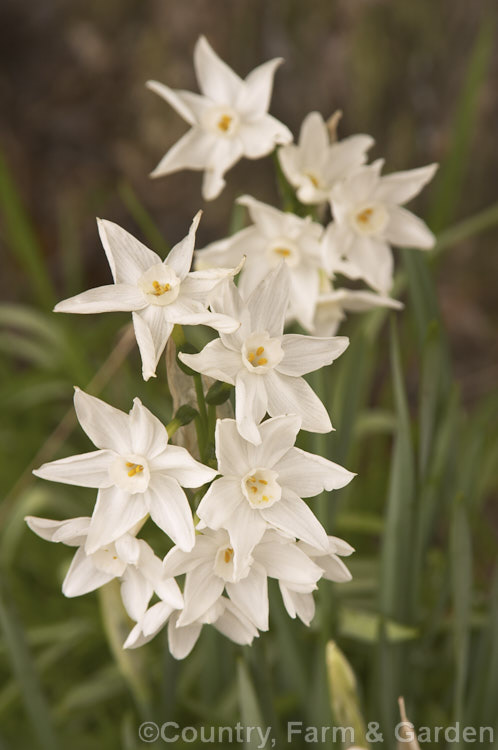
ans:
(224, 615)
(333, 304)
(302, 604)
(274, 236)
(127, 558)
(265, 365)
(369, 218)
(315, 165)
(211, 570)
(262, 486)
(135, 470)
(228, 120)
(158, 293)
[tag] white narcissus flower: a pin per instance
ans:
(302, 605)
(127, 558)
(210, 571)
(265, 365)
(368, 219)
(275, 236)
(224, 615)
(158, 293)
(333, 304)
(315, 165)
(135, 470)
(262, 486)
(228, 121)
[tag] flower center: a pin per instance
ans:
(283, 249)
(312, 178)
(222, 121)
(107, 560)
(130, 473)
(370, 219)
(223, 563)
(261, 489)
(160, 284)
(261, 353)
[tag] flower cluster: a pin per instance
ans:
(252, 521)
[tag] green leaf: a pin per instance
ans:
(218, 393)
(461, 579)
(365, 627)
(250, 712)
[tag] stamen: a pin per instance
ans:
(251, 357)
(364, 216)
(262, 481)
(283, 251)
(253, 489)
(312, 178)
(260, 350)
(228, 554)
(263, 361)
(136, 469)
(224, 123)
(265, 498)
(160, 289)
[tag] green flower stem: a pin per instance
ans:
(211, 420)
(172, 427)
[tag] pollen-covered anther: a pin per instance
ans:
(134, 468)
(228, 555)
(261, 488)
(365, 215)
(255, 357)
(160, 289)
(224, 123)
(282, 251)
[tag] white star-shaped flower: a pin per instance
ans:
(264, 364)
(158, 293)
(301, 604)
(228, 121)
(224, 615)
(333, 304)
(211, 570)
(315, 165)
(369, 218)
(262, 486)
(275, 236)
(135, 470)
(127, 558)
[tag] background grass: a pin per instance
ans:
(413, 398)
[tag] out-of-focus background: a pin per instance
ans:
(79, 134)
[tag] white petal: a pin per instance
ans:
(199, 285)
(292, 515)
(304, 290)
(229, 300)
(107, 427)
(148, 434)
(313, 139)
(177, 561)
(374, 260)
(83, 577)
(307, 474)
(256, 96)
(407, 230)
(168, 590)
(304, 354)
(231, 449)
(224, 153)
(335, 569)
(354, 300)
(278, 435)
(84, 470)
(155, 618)
(246, 527)
(251, 596)
(235, 625)
(111, 298)
(192, 151)
(191, 312)
(202, 589)
(260, 137)
(285, 561)
(288, 395)
(269, 220)
(152, 332)
(181, 641)
(127, 257)
(216, 79)
(401, 187)
(269, 302)
(188, 105)
(180, 257)
(136, 592)
(220, 501)
(72, 532)
(128, 549)
(216, 361)
(169, 509)
(115, 513)
(177, 463)
(302, 605)
(250, 403)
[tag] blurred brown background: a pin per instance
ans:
(76, 120)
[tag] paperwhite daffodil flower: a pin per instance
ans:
(158, 293)
(301, 604)
(228, 121)
(333, 304)
(210, 571)
(315, 165)
(261, 486)
(127, 558)
(264, 364)
(368, 219)
(275, 236)
(224, 615)
(135, 470)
